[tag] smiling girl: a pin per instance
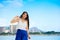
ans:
(22, 26)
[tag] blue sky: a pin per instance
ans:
(44, 14)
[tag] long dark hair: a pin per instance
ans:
(27, 18)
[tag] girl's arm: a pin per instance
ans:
(15, 19)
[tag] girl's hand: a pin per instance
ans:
(15, 19)
(29, 37)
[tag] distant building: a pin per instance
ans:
(12, 29)
(35, 29)
(7, 29)
(2, 29)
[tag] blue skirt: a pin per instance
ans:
(21, 35)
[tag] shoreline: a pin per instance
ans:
(36, 34)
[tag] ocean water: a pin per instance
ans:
(33, 37)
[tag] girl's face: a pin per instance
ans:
(24, 15)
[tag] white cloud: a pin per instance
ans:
(32, 23)
(13, 3)
(16, 4)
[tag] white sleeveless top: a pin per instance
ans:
(21, 25)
